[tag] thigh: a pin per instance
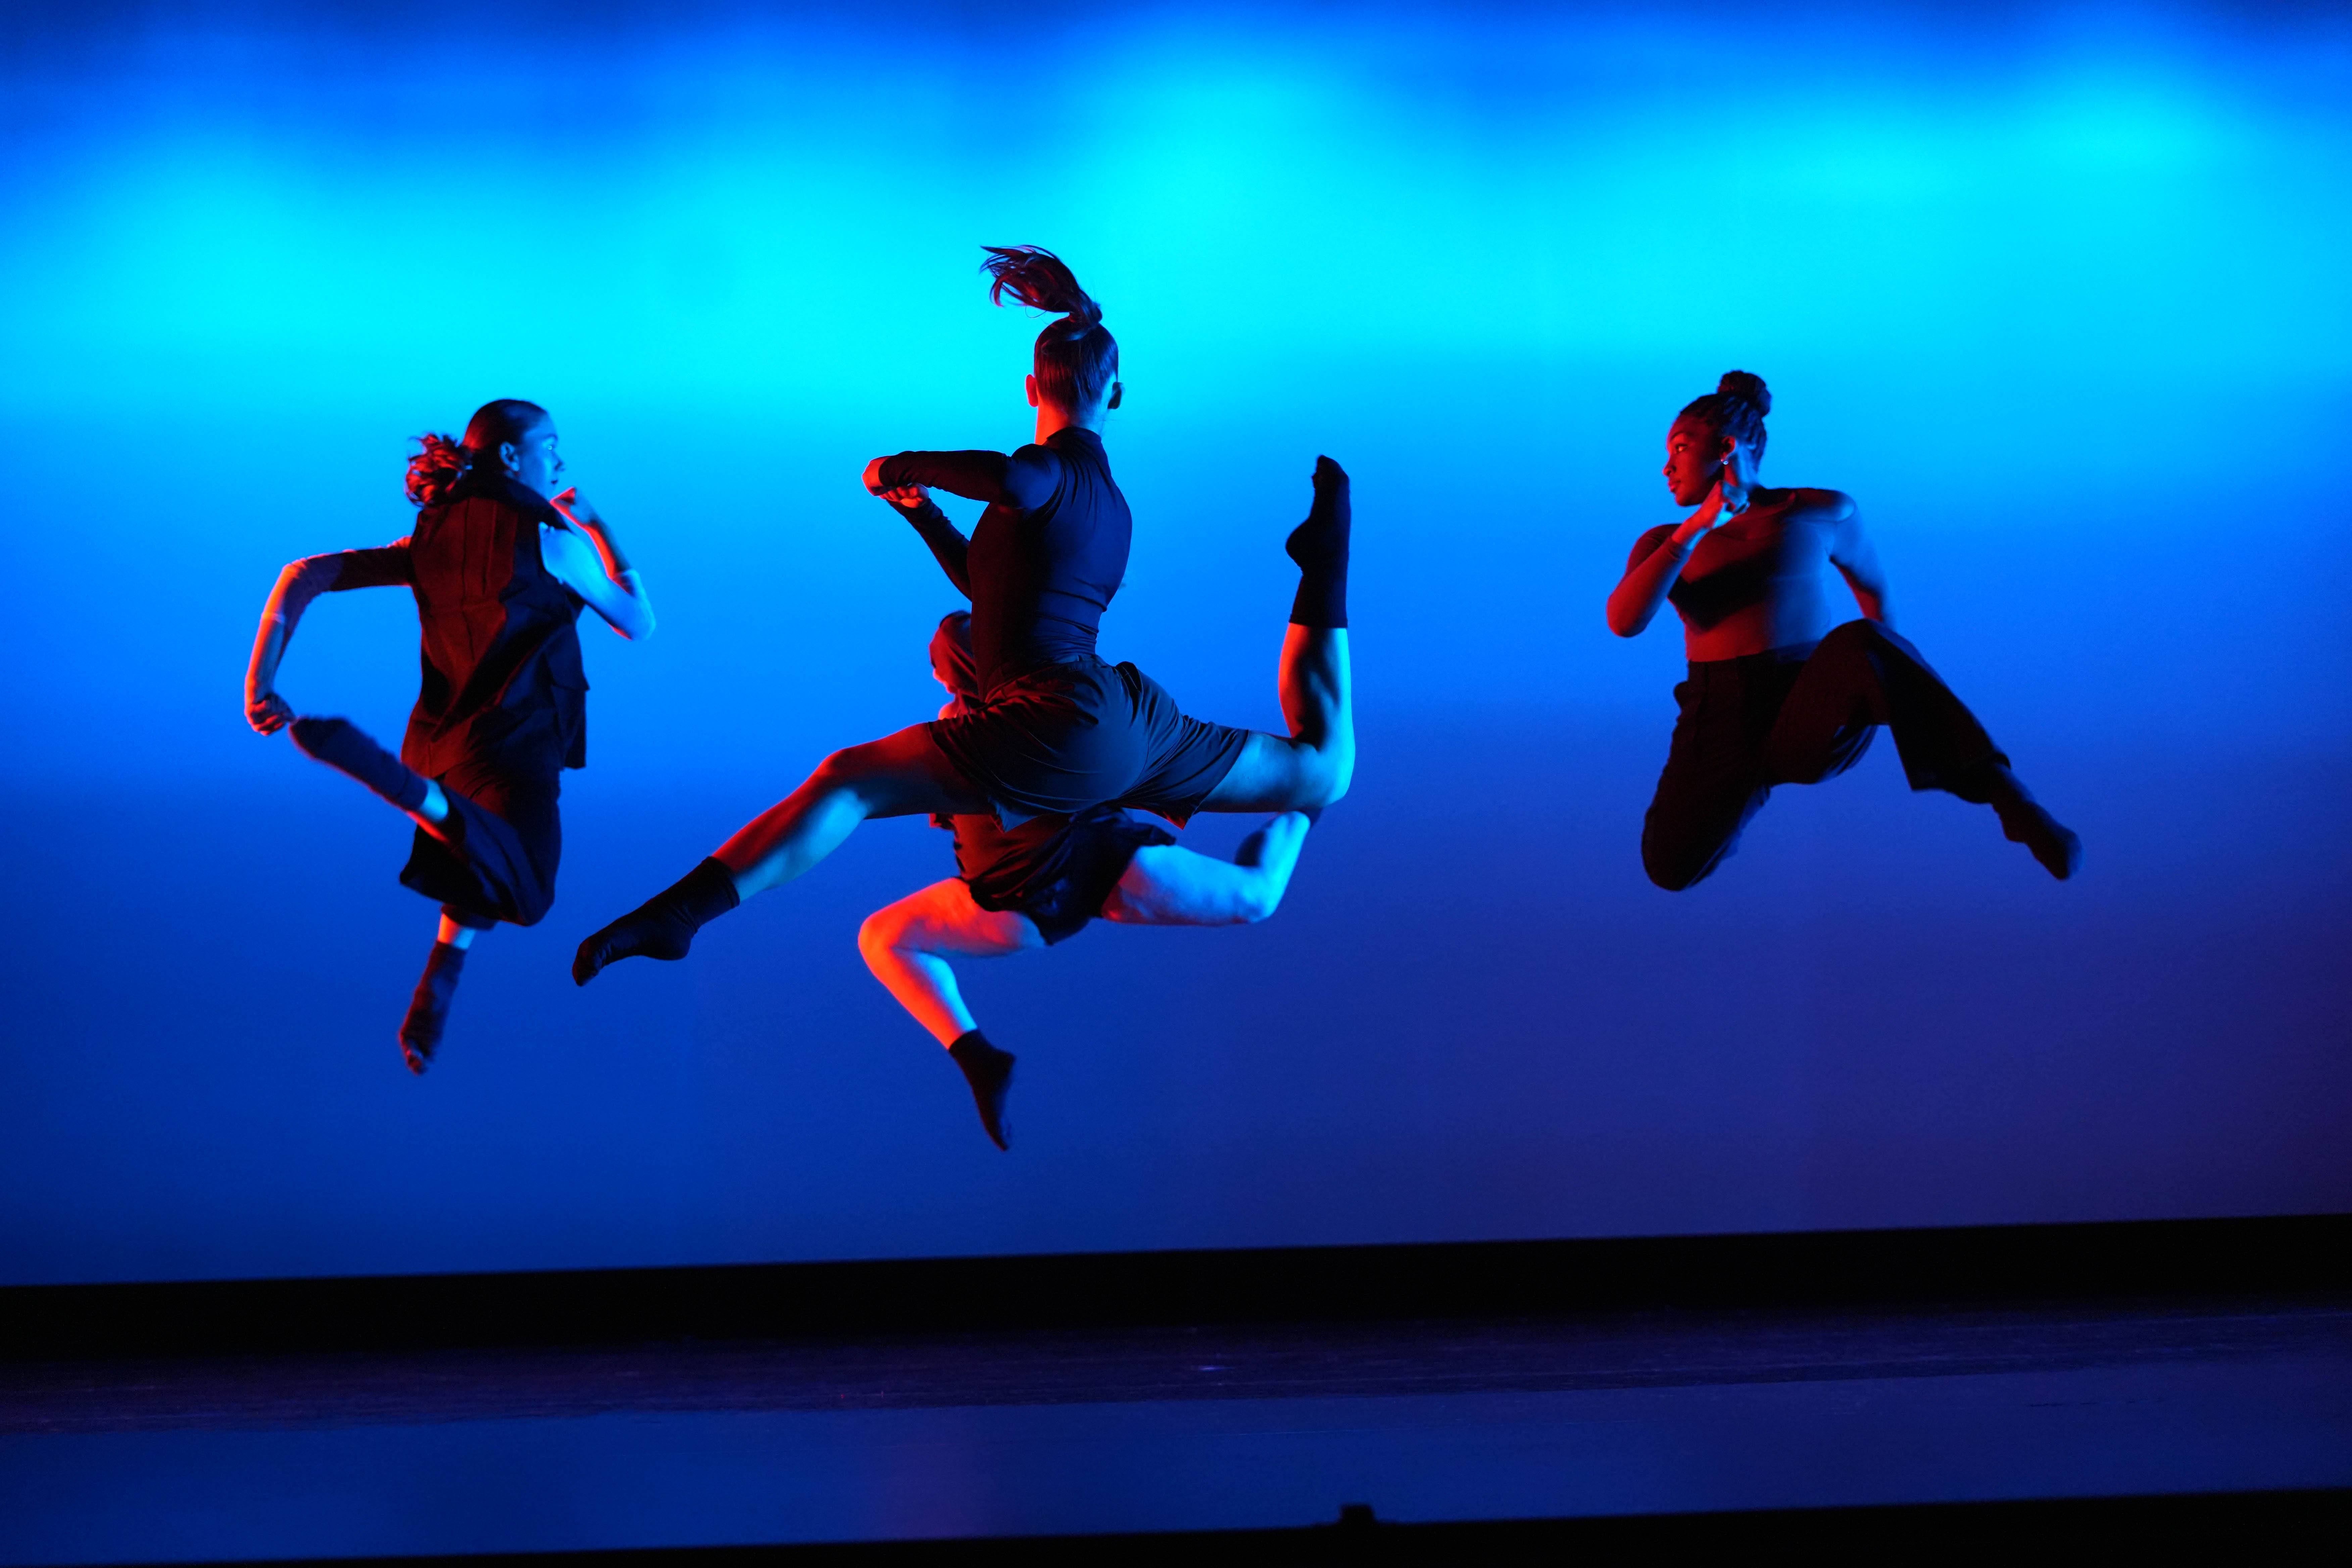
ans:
(1836, 699)
(1168, 885)
(1713, 783)
(903, 774)
(1185, 761)
(943, 919)
(1270, 773)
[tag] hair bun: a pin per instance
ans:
(1747, 388)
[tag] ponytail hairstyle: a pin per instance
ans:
(1735, 408)
(441, 464)
(1076, 357)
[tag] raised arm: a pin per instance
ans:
(1023, 480)
(1658, 558)
(586, 558)
(1857, 563)
(301, 582)
(949, 546)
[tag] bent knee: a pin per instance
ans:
(879, 932)
(1257, 906)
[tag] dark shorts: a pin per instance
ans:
(1056, 871)
(1063, 739)
(509, 841)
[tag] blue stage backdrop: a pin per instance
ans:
(2058, 293)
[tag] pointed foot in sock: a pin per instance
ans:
(1322, 539)
(345, 747)
(2056, 846)
(989, 1071)
(644, 933)
(428, 1009)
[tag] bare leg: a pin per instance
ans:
(1312, 766)
(893, 776)
(1166, 885)
(907, 945)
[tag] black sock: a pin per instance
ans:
(342, 744)
(664, 925)
(1319, 545)
(428, 1009)
(990, 1073)
(2025, 820)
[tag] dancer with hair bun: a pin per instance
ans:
(1779, 691)
(1057, 730)
(501, 565)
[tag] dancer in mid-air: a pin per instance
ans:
(501, 565)
(1779, 691)
(1029, 887)
(1058, 730)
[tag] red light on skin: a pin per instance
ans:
(562, 501)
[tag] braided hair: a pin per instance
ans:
(1076, 357)
(1735, 408)
(441, 463)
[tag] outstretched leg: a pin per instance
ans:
(1864, 674)
(895, 776)
(907, 945)
(1312, 766)
(349, 750)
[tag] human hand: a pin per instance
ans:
(1727, 499)
(906, 497)
(874, 476)
(268, 712)
(575, 508)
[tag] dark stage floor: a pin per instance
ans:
(1157, 1429)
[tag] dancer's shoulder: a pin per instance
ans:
(1815, 505)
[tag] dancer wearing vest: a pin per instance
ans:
(1779, 691)
(501, 565)
(1058, 730)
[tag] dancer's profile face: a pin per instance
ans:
(1694, 455)
(533, 460)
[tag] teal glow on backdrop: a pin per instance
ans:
(2057, 292)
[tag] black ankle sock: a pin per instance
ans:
(428, 1009)
(2025, 820)
(1319, 545)
(342, 744)
(990, 1073)
(663, 926)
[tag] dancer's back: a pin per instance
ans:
(501, 645)
(1045, 558)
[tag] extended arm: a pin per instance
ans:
(586, 558)
(1857, 563)
(301, 582)
(1023, 480)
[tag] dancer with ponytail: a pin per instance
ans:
(1779, 692)
(1033, 886)
(1058, 730)
(501, 565)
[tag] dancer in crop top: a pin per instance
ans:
(1029, 887)
(1058, 730)
(1779, 691)
(501, 565)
